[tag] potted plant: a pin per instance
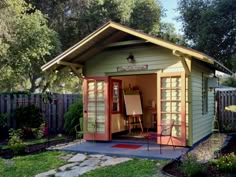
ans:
(45, 129)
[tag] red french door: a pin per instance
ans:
(172, 105)
(96, 109)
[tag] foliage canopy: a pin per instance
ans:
(32, 32)
(210, 27)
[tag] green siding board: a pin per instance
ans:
(202, 124)
(196, 88)
(200, 131)
(155, 57)
(199, 126)
(197, 102)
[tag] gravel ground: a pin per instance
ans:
(205, 150)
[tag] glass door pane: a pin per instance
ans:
(171, 107)
(96, 108)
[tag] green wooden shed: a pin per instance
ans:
(174, 82)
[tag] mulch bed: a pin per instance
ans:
(32, 149)
(231, 147)
(172, 169)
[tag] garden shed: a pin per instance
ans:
(173, 82)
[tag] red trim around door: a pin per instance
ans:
(96, 105)
(171, 107)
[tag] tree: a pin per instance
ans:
(30, 37)
(229, 81)
(210, 27)
(60, 16)
(73, 20)
(168, 32)
(146, 16)
(5, 37)
(28, 43)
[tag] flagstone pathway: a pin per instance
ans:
(79, 164)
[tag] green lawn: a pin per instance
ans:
(30, 165)
(133, 168)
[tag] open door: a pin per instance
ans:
(96, 109)
(171, 96)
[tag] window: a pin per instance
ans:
(204, 94)
(116, 96)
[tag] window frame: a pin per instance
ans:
(204, 94)
(119, 96)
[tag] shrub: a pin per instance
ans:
(226, 163)
(15, 141)
(28, 116)
(191, 167)
(72, 117)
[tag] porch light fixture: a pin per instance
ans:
(130, 58)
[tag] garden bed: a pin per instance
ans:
(204, 161)
(34, 146)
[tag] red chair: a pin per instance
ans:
(166, 130)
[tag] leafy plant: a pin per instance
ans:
(38, 132)
(28, 116)
(72, 116)
(226, 163)
(15, 141)
(191, 167)
(228, 127)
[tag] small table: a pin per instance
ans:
(154, 115)
(231, 108)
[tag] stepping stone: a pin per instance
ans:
(67, 166)
(78, 158)
(77, 171)
(86, 169)
(97, 156)
(66, 157)
(69, 173)
(90, 162)
(114, 161)
(106, 157)
(45, 174)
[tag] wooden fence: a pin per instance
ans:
(53, 112)
(227, 119)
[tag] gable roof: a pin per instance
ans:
(111, 32)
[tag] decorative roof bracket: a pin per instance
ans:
(183, 60)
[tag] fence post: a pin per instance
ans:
(60, 112)
(227, 119)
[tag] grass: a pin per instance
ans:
(133, 168)
(37, 141)
(30, 165)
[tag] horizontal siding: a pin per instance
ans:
(201, 124)
(155, 57)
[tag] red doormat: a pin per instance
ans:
(127, 146)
